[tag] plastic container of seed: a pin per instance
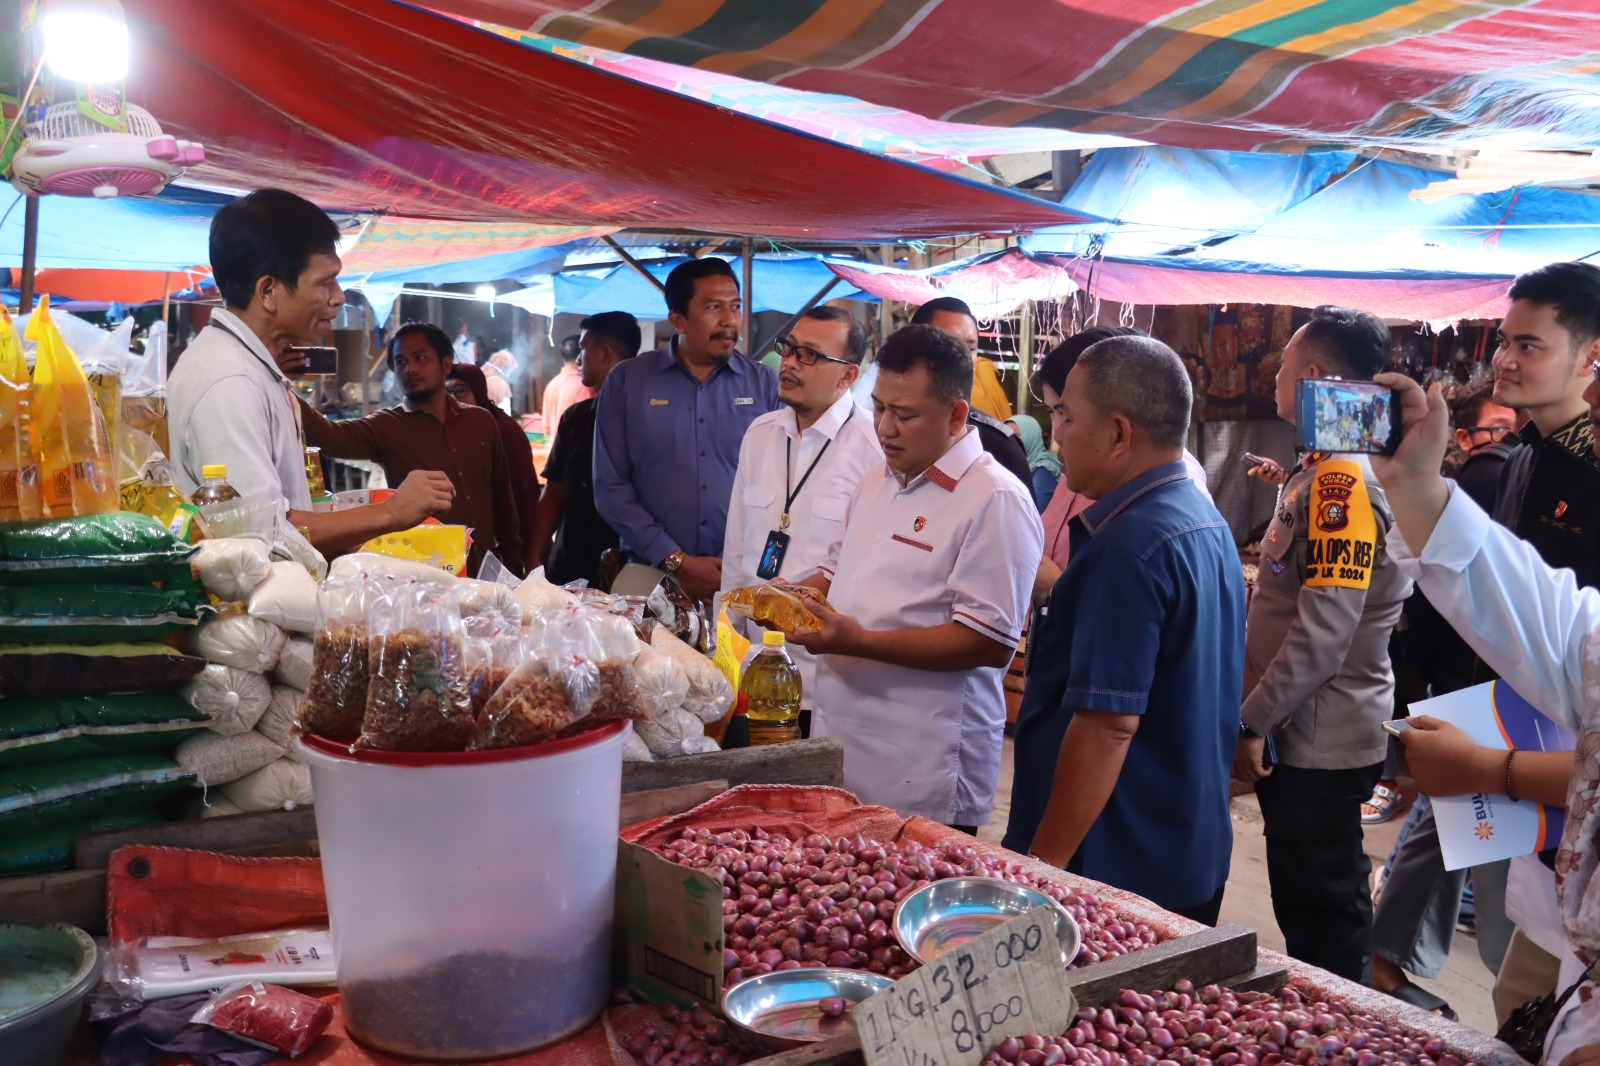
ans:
(470, 894)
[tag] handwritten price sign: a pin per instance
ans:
(958, 1008)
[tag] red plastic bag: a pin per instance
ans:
(271, 1016)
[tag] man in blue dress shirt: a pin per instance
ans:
(668, 428)
(1128, 726)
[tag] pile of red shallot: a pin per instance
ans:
(820, 902)
(690, 1038)
(1217, 1027)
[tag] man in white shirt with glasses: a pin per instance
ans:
(799, 465)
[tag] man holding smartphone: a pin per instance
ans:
(1317, 673)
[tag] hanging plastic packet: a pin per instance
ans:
(147, 484)
(336, 702)
(20, 494)
(75, 467)
(144, 389)
(269, 1016)
(104, 357)
(608, 641)
(417, 693)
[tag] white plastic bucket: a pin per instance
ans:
(470, 894)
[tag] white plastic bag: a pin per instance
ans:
(474, 597)
(160, 966)
(710, 694)
(634, 748)
(536, 592)
(294, 664)
(278, 720)
(287, 598)
(232, 700)
(282, 785)
(217, 760)
(233, 638)
(662, 683)
(231, 568)
(675, 733)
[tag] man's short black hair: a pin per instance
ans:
(617, 328)
(1063, 357)
(947, 359)
(1466, 402)
(856, 341)
(680, 283)
(1143, 380)
(569, 349)
(437, 339)
(925, 313)
(1353, 344)
(1573, 289)
(270, 233)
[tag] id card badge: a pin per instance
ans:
(772, 555)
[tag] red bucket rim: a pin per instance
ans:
(334, 749)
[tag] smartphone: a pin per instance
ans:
(319, 360)
(1251, 460)
(1395, 727)
(1333, 415)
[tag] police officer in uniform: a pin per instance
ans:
(1318, 683)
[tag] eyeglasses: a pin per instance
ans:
(1496, 433)
(1594, 368)
(803, 355)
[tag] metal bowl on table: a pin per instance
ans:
(947, 914)
(783, 1009)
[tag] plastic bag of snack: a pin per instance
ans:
(270, 1016)
(144, 388)
(608, 641)
(336, 698)
(550, 691)
(786, 606)
(75, 467)
(418, 697)
(20, 496)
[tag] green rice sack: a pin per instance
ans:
(51, 849)
(116, 546)
(34, 799)
(33, 732)
(90, 612)
(32, 671)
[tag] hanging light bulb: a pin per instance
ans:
(486, 292)
(85, 40)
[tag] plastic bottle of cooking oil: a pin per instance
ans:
(215, 487)
(771, 684)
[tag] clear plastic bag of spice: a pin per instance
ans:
(609, 641)
(550, 691)
(418, 693)
(336, 702)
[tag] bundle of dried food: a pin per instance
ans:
(336, 699)
(418, 697)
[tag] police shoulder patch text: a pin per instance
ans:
(1342, 530)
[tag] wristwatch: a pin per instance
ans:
(1246, 733)
(671, 563)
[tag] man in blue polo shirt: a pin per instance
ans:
(668, 427)
(1128, 728)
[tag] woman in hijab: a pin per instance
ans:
(1044, 467)
(468, 385)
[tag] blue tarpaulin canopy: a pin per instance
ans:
(778, 282)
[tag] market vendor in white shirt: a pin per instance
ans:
(273, 257)
(929, 586)
(1540, 631)
(799, 465)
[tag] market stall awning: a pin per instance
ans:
(777, 283)
(375, 106)
(420, 247)
(1217, 73)
(115, 286)
(991, 284)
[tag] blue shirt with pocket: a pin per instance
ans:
(666, 446)
(1147, 620)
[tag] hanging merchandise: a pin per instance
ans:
(74, 451)
(20, 497)
(144, 389)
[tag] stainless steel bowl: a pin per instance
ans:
(781, 1010)
(949, 913)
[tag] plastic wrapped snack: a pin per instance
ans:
(477, 667)
(786, 606)
(662, 683)
(417, 693)
(336, 699)
(542, 698)
(474, 597)
(270, 1016)
(144, 388)
(232, 567)
(608, 641)
(232, 700)
(233, 638)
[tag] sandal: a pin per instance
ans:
(1417, 996)
(1385, 803)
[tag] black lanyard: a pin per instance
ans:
(788, 470)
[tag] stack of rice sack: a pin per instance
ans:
(257, 649)
(89, 716)
(683, 690)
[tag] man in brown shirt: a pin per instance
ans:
(431, 431)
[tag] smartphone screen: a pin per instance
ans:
(1396, 727)
(319, 360)
(1332, 415)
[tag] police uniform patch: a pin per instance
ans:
(1342, 540)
